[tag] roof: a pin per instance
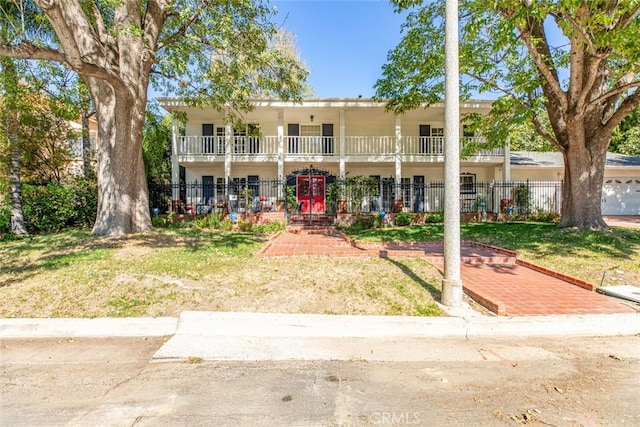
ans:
(170, 104)
(554, 159)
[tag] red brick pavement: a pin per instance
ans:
(490, 275)
(517, 290)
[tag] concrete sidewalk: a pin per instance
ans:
(626, 221)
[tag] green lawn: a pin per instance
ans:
(75, 274)
(582, 254)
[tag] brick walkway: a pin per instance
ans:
(489, 276)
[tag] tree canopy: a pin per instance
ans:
(569, 68)
(209, 53)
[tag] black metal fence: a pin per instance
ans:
(199, 198)
(274, 195)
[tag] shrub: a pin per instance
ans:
(403, 219)
(85, 202)
(544, 217)
(5, 219)
(434, 218)
(378, 221)
(361, 223)
(209, 221)
(48, 208)
(245, 226)
(214, 220)
(226, 224)
(158, 221)
(270, 227)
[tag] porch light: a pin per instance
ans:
(311, 117)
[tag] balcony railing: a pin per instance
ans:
(300, 146)
(310, 145)
(370, 145)
(254, 146)
(212, 145)
(240, 145)
(423, 145)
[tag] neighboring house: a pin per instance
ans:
(75, 146)
(311, 144)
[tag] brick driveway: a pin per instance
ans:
(491, 276)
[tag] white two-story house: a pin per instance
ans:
(311, 144)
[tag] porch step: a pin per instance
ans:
(301, 219)
(327, 230)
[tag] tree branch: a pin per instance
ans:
(543, 60)
(60, 24)
(103, 34)
(567, 16)
(615, 92)
(180, 32)
(626, 19)
(26, 50)
(154, 19)
(629, 104)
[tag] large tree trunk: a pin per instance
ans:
(123, 205)
(584, 163)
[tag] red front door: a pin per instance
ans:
(311, 193)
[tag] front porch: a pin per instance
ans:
(315, 193)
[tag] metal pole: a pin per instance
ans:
(310, 191)
(451, 284)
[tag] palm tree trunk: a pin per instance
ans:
(10, 82)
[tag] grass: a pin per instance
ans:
(582, 254)
(75, 274)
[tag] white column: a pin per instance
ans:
(506, 168)
(451, 283)
(175, 166)
(280, 151)
(228, 133)
(343, 166)
(398, 152)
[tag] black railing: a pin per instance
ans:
(237, 196)
(274, 195)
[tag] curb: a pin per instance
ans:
(231, 324)
(93, 328)
(340, 326)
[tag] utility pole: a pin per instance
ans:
(451, 284)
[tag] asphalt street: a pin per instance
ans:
(559, 381)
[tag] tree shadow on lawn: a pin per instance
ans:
(24, 258)
(435, 292)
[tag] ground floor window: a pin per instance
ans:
(467, 183)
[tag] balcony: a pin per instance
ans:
(215, 147)
(372, 148)
(305, 146)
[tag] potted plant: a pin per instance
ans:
(340, 195)
(291, 200)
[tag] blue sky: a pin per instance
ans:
(344, 42)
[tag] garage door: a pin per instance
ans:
(621, 197)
